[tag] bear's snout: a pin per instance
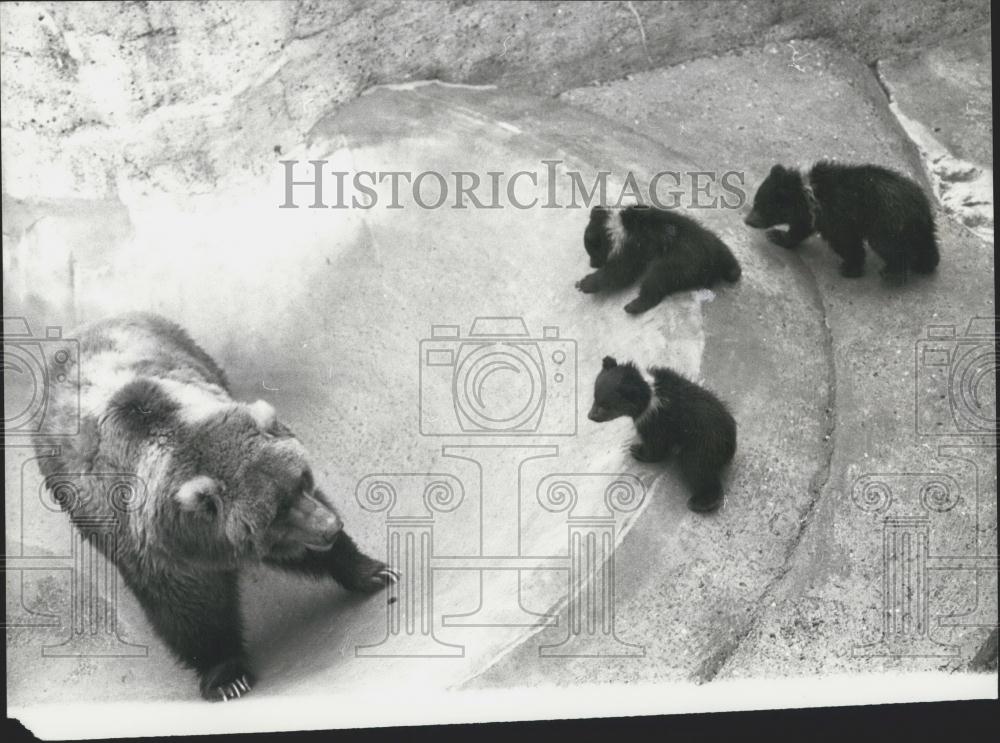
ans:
(753, 219)
(309, 523)
(598, 415)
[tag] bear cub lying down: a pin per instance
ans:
(848, 205)
(672, 416)
(671, 252)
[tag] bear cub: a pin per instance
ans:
(671, 252)
(848, 205)
(672, 416)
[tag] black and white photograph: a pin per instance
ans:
(384, 364)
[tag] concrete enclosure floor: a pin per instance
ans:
(357, 325)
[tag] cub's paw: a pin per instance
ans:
(228, 680)
(637, 306)
(704, 504)
(588, 284)
(851, 271)
(780, 237)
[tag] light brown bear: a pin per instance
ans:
(224, 485)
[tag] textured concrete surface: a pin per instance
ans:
(943, 98)
(949, 88)
(339, 357)
(162, 195)
(187, 96)
(818, 596)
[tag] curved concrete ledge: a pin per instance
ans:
(323, 313)
(328, 314)
(863, 408)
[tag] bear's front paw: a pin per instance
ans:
(228, 680)
(373, 577)
(588, 284)
(780, 237)
(638, 305)
(705, 503)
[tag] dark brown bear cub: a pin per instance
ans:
(672, 416)
(848, 205)
(671, 252)
(222, 485)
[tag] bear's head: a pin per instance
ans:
(778, 199)
(227, 482)
(595, 237)
(618, 390)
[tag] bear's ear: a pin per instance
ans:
(609, 363)
(263, 413)
(200, 494)
(778, 170)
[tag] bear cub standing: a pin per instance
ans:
(848, 204)
(671, 252)
(672, 416)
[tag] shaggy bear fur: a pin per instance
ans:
(672, 417)
(213, 485)
(670, 251)
(849, 205)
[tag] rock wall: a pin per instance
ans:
(176, 97)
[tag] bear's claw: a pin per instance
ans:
(390, 575)
(228, 679)
(373, 580)
(234, 689)
(382, 578)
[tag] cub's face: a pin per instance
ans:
(773, 203)
(595, 237)
(618, 391)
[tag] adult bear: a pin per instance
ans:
(221, 485)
